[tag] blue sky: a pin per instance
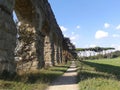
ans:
(89, 22)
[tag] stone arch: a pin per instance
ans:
(29, 14)
(25, 11)
(45, 28)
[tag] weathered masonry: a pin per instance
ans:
(47, 47)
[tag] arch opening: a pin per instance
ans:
(27, 49)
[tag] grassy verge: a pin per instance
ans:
(37, 80)
(99, 74)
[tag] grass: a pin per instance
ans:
(99, 74)
(36, 80)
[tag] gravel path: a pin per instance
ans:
(67, 81)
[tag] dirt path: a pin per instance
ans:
(67, 81)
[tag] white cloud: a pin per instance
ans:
(63, 28)
(74, 43)
(101, 34)
(78, 27)
(74, 37)
(65, 35)
(115, 35)
(118, 27)
(106, 25)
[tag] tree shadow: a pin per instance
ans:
(45, 76)
(105, 68)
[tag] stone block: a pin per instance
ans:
(7, 5)
(3, 55)
(2, 42)
(27, 66)
(2, 34)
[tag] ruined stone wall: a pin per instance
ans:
(39, 16)
(45, 25)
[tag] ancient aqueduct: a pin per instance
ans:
(49, 47)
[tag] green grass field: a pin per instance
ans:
(99, 74)
(37, 80)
